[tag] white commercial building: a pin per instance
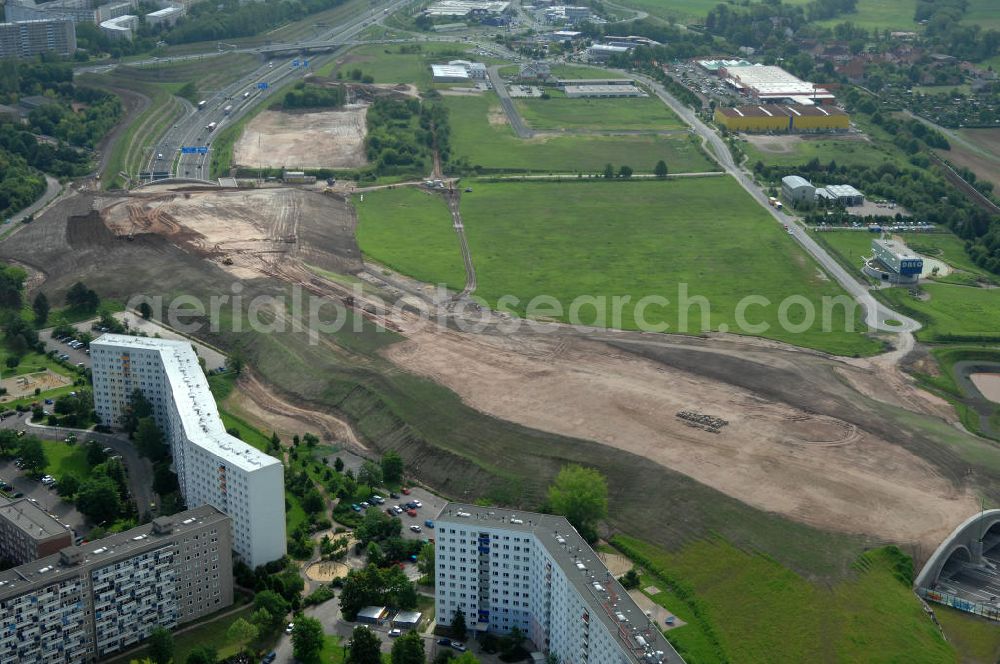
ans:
(120, 27)
(213, 467)
(603, 91)
(602, 52)
(450, 74)
(167, 15)
(769, 83)
(503, 569)
(88, 602)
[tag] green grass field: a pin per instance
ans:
(647, 238)
(792, 151)
(749, 609)
(386, 64)
(606, 239)
(65, 459)
(563, 113)
(481, 134)
(881, 14)
(410, 231)
(977, 640)
(984, 13)
(952, 311)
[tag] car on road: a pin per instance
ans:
(415, 528)
(291, 626)
(393, 633)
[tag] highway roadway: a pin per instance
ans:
(877, 315)
(242, 95)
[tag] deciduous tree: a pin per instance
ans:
(581, 495)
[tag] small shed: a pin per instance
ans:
(407, 620)
(372, 615)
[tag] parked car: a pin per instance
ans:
(411, 512)
(460, 647)
(269, 657)
(365, 505)
(393, 633)
(417, 504)
(429, 523)
(444, 642)
(356, 507)
(405, 491)
(415, 528)
(389, 511)
(393, 495)
(291, 626)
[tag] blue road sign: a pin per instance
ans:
(295, 63)
(305, 63)
(262, 86)
(195, 149)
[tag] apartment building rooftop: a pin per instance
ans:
(592, 580)
(30, 518)
(67, 562)
(195, 403)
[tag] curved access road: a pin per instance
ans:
(877, 315)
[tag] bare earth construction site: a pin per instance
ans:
(804, 439)
(320, 139)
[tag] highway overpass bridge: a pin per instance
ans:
(964, 571)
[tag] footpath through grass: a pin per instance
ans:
(482, 136)
(410, 231)
(747, 608)
(677, 239)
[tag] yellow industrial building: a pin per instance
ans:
(782, 118)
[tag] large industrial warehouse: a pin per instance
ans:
(767, 83)
(782, 118)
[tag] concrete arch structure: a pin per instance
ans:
(212, 183)
(967, 536)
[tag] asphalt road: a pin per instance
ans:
(140, 470)
(876, 313)
(516, 121)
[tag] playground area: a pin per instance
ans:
(25, 385)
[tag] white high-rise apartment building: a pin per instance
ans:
(213, 467)
(504, 569)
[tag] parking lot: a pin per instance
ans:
(431, 505)
(44, 497)
(213, 358)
